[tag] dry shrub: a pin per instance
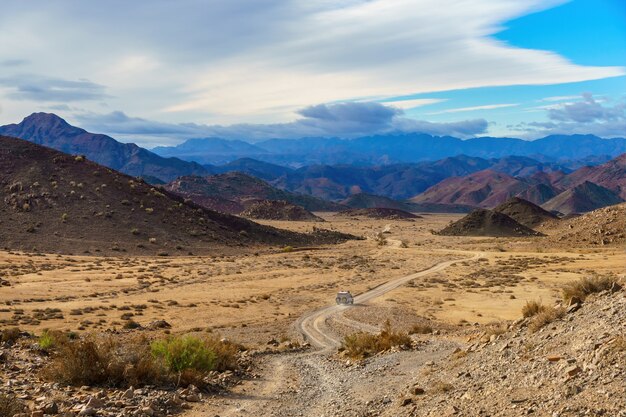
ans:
(439, 387)
(10, 405)
(532, 308)
(10, 335)
(362, 345)
(546, 316)
(104, 361)
(496, 329)
(589, 285)
(421, 329)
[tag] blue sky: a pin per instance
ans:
(256, 69)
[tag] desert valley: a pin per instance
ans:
(449, 306)
(287, 208)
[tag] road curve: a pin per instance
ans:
(313, 325)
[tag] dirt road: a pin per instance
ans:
(312, 384)
(313, 325)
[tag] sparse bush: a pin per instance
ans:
(441, 387)
(496, 329)
(134, 231)
(288, 249)
(421, 329)
(183, 353)
(532, 308)
(10, 405)
(99, 361)
(10, 335)
(362, 345)
(546, 316)
(589, 285)
(46, 341)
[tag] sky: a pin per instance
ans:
(158, 72)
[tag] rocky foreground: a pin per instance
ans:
(573, 366)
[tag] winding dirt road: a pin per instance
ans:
(313, 325)
(309, 384)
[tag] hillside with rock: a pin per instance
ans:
(59, 203)
(582, 198)
(525, 212)
(483, 222)
(279, 210)
(242, 188)
(602, 227)
(573, 366)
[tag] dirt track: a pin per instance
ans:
(312, 384)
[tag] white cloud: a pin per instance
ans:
(475, 108)
(412, 103)
(260, 60)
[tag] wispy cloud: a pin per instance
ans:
(413, 103)
(37, 88)
(260, 61)
(475, 108)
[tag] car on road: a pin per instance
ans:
(344, 298)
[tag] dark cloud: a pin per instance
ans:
(38, 88)
(344, 120)
(588, 116)
(587, 111)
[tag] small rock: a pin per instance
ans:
(573, 370)
(405, 401)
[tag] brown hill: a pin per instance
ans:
(582, 198)
(380, 213)
(483, 222)
(238, 187)
(279, 210)
(481, 189)
(52, 131)
(539, 193)
(525, 212)
(54, 202)
(610, 175)
(605, 226)
(364, 200)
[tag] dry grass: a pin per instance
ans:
(532, 308)
(496, 329)
(10, 335)
(588, 285)
(104, 361)
(10, 405)
(546, 316)
(439, 387)
(362, 345)
(421, 329)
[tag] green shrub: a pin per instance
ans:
(46, 341)
(182, 353)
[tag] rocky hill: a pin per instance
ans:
(525, 212)
(279, 210)
(582, 198)
(54, 202)
(52, 131)
(239, 188)
(610, 175)
(573, 366)
(482, 189)
(482, 222)
(605, 226)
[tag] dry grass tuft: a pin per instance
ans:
(532, 308)
(439, 387)
(362, 345)
(10, 335)
(546, 316)
(421, 329)
(10, 405)
(589, 285)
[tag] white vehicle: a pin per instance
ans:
(344, 298)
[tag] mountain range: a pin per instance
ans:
(393, 148)
(491, 171)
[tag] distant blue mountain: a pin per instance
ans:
(387, 149)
